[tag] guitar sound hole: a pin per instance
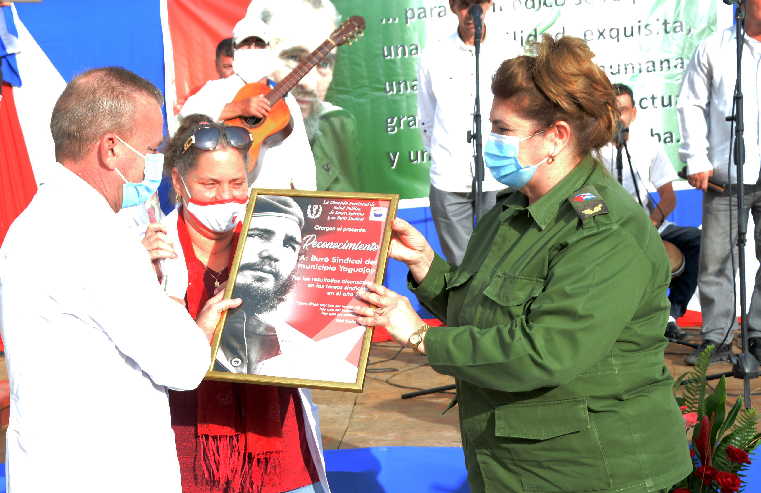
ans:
(252, 121)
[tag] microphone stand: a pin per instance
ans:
(474, 136)
(744, 365)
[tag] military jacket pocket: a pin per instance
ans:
(551, 446)
(509, 297)
(455, 279)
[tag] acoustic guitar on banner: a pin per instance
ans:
(277, 125)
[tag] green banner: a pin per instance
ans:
(644, 44)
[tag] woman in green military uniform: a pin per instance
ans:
(555, 317)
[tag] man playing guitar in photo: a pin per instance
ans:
(286, 164)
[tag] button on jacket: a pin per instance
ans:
(91, 343)
(555, 337)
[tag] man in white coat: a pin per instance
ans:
(91, 341)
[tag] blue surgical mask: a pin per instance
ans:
(501, 157)
(138, 193)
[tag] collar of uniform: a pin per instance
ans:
(544, 210)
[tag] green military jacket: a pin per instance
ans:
(336, 150)
(555, 323)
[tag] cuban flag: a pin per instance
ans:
(45, 44)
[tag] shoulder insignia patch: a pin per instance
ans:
(587, 203)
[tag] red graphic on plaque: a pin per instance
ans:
(341, 245)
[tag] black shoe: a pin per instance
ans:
(720, 353)
(754, 347)
(673, 332)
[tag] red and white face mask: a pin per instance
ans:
(219, 216)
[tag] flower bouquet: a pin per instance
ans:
(721, 440)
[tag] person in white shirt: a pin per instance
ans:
(446, 94)
(288, 164)
(646, 169)
(91, 341)
(331, 129)
(705, 99)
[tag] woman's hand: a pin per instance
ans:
(156, 242)
(159, 247)
(391, 310)
(408, 245)
(211, 313)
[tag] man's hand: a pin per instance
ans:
(258, 107)
(212, 311)
(700, 180)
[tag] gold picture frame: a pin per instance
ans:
(299, 261)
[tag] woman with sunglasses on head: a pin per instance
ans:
(227, 439)
(554, 320)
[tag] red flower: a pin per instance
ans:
(681, 490)
(690, 419)
(728, 482)
(703, 441)
(705, 473)
(737, 455)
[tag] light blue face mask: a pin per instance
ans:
(138, 193)
(501, 157)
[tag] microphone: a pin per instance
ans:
(475, 12)
(621, 132)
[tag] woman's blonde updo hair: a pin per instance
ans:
(561, 83)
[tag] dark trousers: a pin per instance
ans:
(687, 240)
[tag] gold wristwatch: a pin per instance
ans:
(417, 337)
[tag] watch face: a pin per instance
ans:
(415, 339)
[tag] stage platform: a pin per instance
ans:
(377, 442)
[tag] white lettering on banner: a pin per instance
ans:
(644, 44)
(413, 14)
(310, 241)
(391, 52)
(401, 122)
(394, 158)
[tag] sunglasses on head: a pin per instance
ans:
(206, 138)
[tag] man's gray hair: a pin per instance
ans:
(94, 103)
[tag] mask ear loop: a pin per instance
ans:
(186, 189)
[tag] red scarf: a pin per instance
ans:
(239, 427)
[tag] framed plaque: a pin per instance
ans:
(300, 259)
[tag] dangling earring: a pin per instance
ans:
(551, 157)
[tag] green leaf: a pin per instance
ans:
(715, 408)
(743, 435)
(695, 383)
(728, 423)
